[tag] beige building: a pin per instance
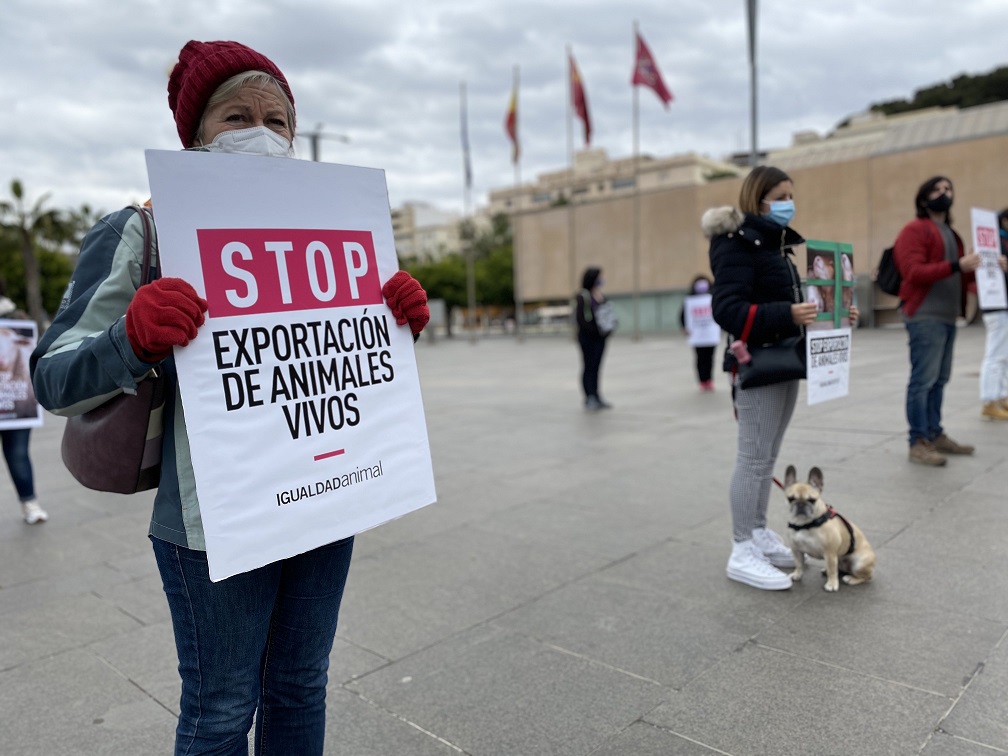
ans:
(424, 231)
(854, 185)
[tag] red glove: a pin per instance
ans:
(164, 313)
(407, 300)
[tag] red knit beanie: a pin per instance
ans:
(201, 68)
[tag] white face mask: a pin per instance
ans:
(257, 140)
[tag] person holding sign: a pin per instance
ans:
(14, 350)
(936, 271)
(256, 644)
(994, 368)
(703, 333)
(750, 256)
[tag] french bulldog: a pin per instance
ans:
(818, 531)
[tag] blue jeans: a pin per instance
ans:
(931, 346)
(15, 449)
(258, 641)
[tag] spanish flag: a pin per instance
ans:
(579, 100)
(511, 125)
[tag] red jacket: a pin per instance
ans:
(919, 254)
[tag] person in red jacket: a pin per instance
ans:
(930, 257)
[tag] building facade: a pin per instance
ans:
(854, 185)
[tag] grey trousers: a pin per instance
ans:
(763, 416)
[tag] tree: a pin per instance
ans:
(29, 224)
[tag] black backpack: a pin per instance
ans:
(888, 277)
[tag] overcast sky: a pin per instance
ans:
(83, 82)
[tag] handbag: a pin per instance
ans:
(780, 361)
(605, 318)
(116, 447)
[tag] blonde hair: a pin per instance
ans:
(239, 81)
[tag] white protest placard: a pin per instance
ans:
(990, 279)
(18, 406)
(699, 317)
(302, 400)
(827, 355)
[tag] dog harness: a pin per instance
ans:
(830, 514)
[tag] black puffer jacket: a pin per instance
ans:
(750, 259)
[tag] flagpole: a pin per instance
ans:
(467, 205)
(518, 296)
(570, 169)
(754, 150)
(636, 198)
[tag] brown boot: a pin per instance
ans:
(923, 453)
(994, 411)
(946, 445)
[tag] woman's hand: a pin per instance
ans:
(854, 314)
(163, 314)
(407, 300)
(804, 313)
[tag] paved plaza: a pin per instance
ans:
(567, 593)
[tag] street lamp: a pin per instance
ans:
(316, 135)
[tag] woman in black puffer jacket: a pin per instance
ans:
(750, 256)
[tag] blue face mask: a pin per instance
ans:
(1004, 233)
(781, 212)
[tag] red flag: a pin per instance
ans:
(579, 100)
(511, 125)
(646, 72)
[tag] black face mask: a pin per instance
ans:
(939, 204)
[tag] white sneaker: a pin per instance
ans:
(773, 548)
(33, 513)
(748, 565)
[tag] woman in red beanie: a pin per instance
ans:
(255, 645)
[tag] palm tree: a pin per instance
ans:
(29, 223)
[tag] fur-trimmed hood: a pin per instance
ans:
(721, 220)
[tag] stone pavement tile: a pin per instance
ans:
(142, 599)
(947, 745)
(146, 657)
(608, 533)
(58, 626)
(348, 662)
(357, 727)
(73, 704)
(981, 714)
(695, 573)
(956, 581)
(761, 701)
(643, 739)
(970, 526)
(667, 639)
(496, 693)
(419, 593)
(36, 593)
(905, 640)
(55, 549)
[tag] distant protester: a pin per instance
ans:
(994, 368)
(936, 271)
(595, 322)
(703, 333)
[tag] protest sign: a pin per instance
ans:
(18, 407)
(302, 400)
(699, 319)
(990, 279)
(830, 284)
